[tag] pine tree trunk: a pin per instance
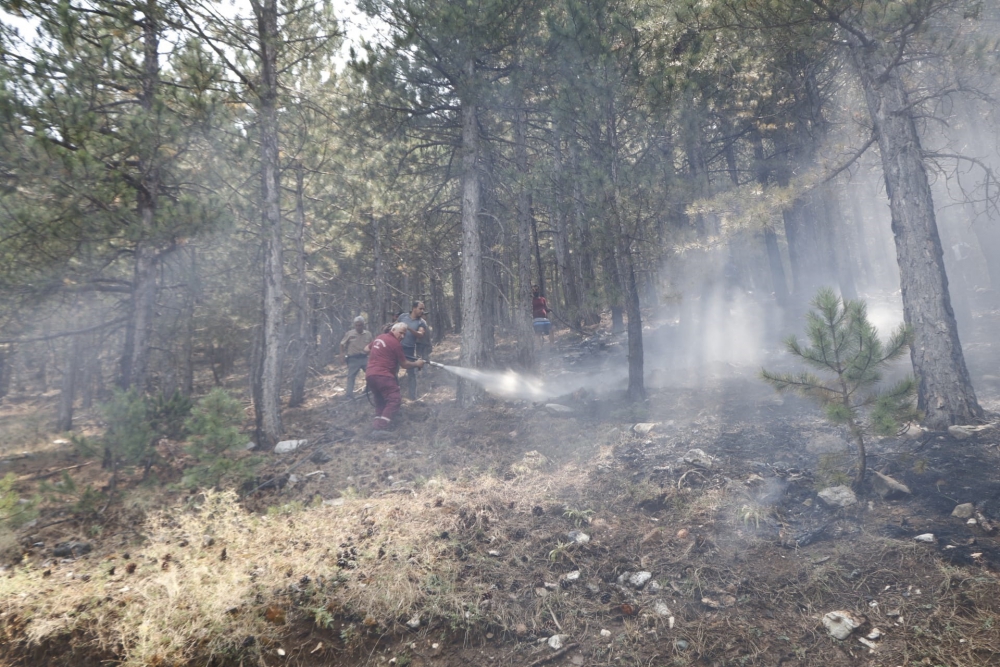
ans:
(522, 307)
(187, 322)
(269, 407)
(381, 309)
(4, 370)
(64, 417)
(567, 261)
(945, 392)
(303, 326)
(473, 352)
(135, 356)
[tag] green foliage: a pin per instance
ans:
(845, 346)
(129, 436)
(14, 511)
(167, 415)
(66, 492)
(214, 428)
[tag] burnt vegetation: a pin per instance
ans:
(198, 198)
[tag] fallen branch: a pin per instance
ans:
(554, 656)
(43, 475)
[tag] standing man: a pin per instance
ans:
(385, 359)
(540, 314)
(354, 352)
(416, 329)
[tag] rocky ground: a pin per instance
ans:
(689, 530)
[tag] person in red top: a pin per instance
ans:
(384, 361)
(540, 314)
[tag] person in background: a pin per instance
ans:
(384, 361)
(395, 318)
(416, 330)
(540, 314)
(353, 350)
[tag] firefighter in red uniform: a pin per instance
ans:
(384, 361)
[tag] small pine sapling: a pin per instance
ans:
(846, 347)
(215, 437)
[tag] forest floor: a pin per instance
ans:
(516, 534)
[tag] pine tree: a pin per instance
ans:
(846, 347)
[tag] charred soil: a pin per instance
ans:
(683, 531)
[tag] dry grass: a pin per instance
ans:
(371, 564)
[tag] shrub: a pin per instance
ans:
(128, 439)
(846, 347)
(13, 510)
(215, 435)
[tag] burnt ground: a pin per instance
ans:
(744, 557)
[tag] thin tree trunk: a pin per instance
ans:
(381, 310)
(303, 318)
(522, 306)
(64, 418)
(945, 392)
(564, 258)
(473, 352)
(266, 12)
(187, 316)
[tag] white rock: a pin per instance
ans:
(578, 536)
(698, 457)
(286, 446)
(639, 579)
(889, 488)
(605, 633)
(838, 496)
(643, 428)
(926, 537)
(865, 642)
(964, 511)
(653, 586)
(493, 552)
(572, 576)
(660, 608)
(840, 624)
(556, 409)
(249, 446)
(964, 432)
(293, 479)
(413, 623)
(875, 634)
(556, 642)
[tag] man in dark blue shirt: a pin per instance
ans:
(416, 330)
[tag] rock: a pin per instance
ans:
(207, 541)
(541, 591)
(556, 642)
(926, 537)
(681, 644)
(286, 446)
(320, 457)
(660, 608)
(964, 511)
(875, 634)
(250, 446)
(643, 428)
(293, 479)
(827, 443)
(838, 496)
(840, 624)
(698, 457)
(869, 644)
(639, 579)
(413, 623)
(594, 589)
(914, 431)
(653, 586)
(964, 432)
(605, 633)
(559, 410)
(889, 488)
(578, 536)
(71, 549)
(572, 576)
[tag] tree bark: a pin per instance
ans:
(266, 13)
(945, 392)
(187, 317)
(135, 356)
(381, 309)
(473, 352)
(64, 417)
(522, 307)
(303, 326)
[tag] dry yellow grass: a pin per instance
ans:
(377, 562)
